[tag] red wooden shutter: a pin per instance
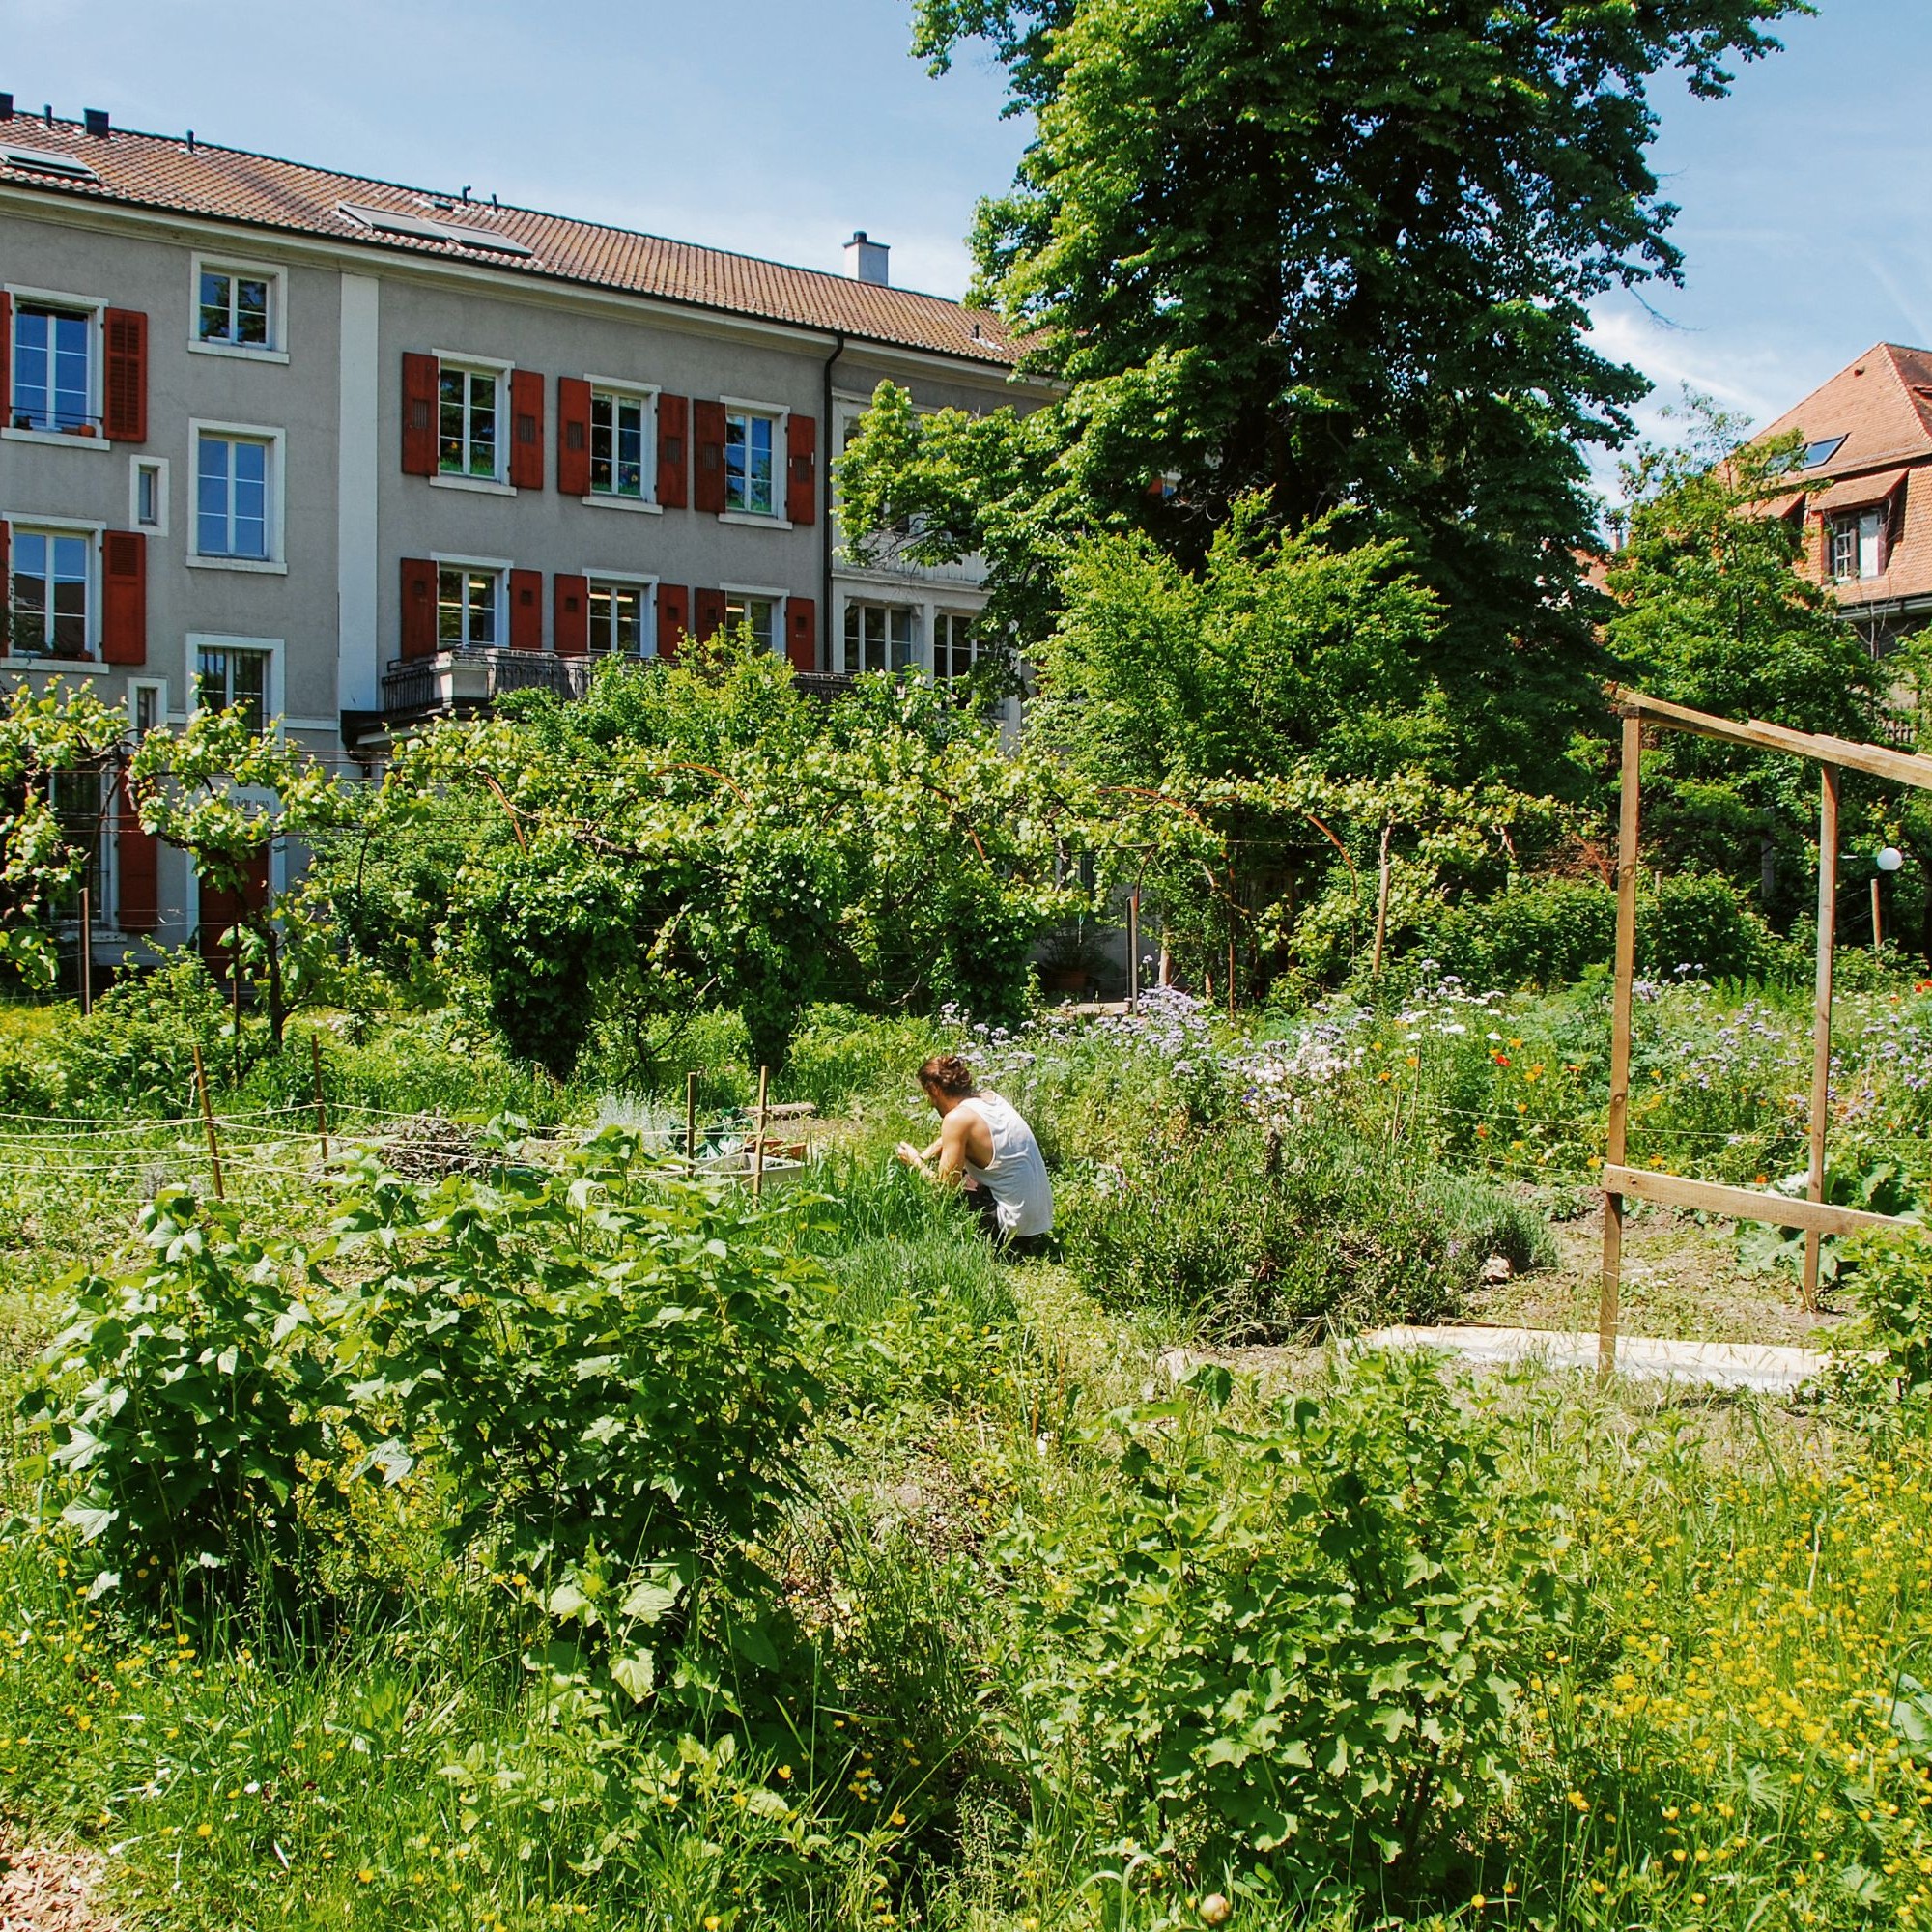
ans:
(802, 469)
(708, 433)
(802, 633)
(137, 865)
(573, 436)
(673, 617)
(526, 608)
(419, 384)
(710, 619)
(418, 629)
(571, 629)
(124, 599)
(673, 469)
(126, 386)
(6, 354)
(526, 430)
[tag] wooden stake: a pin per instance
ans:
(1231, 978)
(1620, 1043)
(235, 985)
(1134, 948)
(321, 1112)
(758, 1148)
(88, 947)
(1878, 935)
(208, 1122)
(691, 1121)
(1821, 1015)
(1381, 907)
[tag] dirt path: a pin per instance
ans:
(1682, 1281)
(49, 1891)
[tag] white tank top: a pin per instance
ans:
(1016, 1175)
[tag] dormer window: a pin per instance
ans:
(1857, 545)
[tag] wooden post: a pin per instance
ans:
(88, 949)
(1134, 948)
(1821, 1015)
(758, 1146)
(690, 1121)
(321, 1112)
(1381, 907)
(208, 1122)
(1878, 935)
(235, 986)
(1620, 1042)
(1230, 972)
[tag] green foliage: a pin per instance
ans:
(1294, 1641)
(181, 1402)
(136, 1048)
(1261, 1241)
(1221, 206)
(608, 1366)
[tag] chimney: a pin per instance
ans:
(97, 123)
(6, 107)
(865, 259)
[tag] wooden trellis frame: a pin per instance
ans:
(1622, 1182)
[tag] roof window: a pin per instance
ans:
(427, 228)
(1815, 453)
(42, 160)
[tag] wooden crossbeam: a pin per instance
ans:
(1907, 768)
(1744, 1204)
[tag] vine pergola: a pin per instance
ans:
(1816, 1216)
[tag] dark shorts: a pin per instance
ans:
(986, 1212)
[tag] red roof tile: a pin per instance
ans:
(159, 172)
(1856, 493)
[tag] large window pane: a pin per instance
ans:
(748, 463)
(50, 375)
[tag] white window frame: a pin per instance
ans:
(275, 563)
(157, 466)
(477, 365)
(277, 347)
(637, 581)
(94, 307)
(136, 687)
(921, 658)
(647, 394)
(443, 560)
(774, 518)
(271, 648)
(775, 597)
(60, 526)
(940, 613)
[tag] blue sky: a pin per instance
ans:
(779, 125)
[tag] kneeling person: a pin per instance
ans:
(984, 1146)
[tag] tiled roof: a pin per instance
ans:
(159, 171)
(1882, 407)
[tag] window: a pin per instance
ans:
(466, 423)
(148, 493)
(54, 386)
(619, 435)
(756, 611)
(47, 605)
(618, 618)
(147, 708)
(235, 307)
(466, 601)
(228, 678)
(879, 636)
(79, 804)
(748, 463)
(1857, 546)
(955, 646)
(231, 503)
(1815, 453)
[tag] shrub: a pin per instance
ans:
(1540, 932)
(1258, 1240)
(201, 1391)
(609, 1365)
(1293, 1645)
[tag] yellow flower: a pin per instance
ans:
(204, 1830)
(364, 1876)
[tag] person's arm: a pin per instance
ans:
(948, 1150)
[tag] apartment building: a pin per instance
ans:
(351, 455)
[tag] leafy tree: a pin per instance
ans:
(1339, 251)
(52, 742)
(1713, 611)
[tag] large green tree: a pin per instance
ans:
(1340, 251)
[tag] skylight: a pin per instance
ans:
(427, 228)
(1815, 453)
(44, 160)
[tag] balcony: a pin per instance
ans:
(460, 683)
